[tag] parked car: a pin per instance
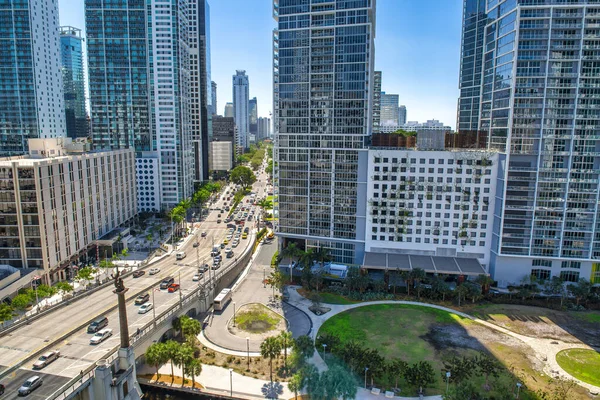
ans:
(138, 273)
(30, 385)
(101, 336)
(154, 271)
(46, 359)
(145, 308)
(173, 287)
(142, 298)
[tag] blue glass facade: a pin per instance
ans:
(73, 82)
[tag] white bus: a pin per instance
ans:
(180, 255)
(222, 299)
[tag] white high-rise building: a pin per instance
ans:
(241, 114)
(228, 111)
(389, 109)
(31, 93)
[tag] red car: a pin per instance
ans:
(173, 287)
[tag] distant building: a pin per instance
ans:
(376, 101)
(241, 112)
(213, 86)
(253, 118)
(221, 156)
(31, 90)
(414, 126)
(389, 109)
(73, 82)
(264, 128)
(401, 115)
(59, 200)
(228, 112)
(224, 130)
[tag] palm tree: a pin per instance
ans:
(485, 281)
(185, 355)
(172, 351)
(396, 369)
(264, 204)
(270, 349)
(418, 276)
(322, 255)
(292, 251)
(408, 279)
(194, 367)
(295, 385)
(285, 340)
(190, 328)
(156, 355)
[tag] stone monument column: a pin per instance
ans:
(120, 290)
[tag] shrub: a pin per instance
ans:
(230, 359)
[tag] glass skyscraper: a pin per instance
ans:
(241, 114)
(540, 104)
(323, 83)
(31, 92)
(73, 81)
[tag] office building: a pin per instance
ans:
(140, 80)
(31, 93)
(213, 106)
(415, 126)
(539, 105)
(264, 128)
(389, 109)
(201, 88)
(221, 156)
(376, 101)
(323, 83)
(228, 111)
(224, 130)
(241, 111)
(402, 115)
(253, 119)
(59, 200)
(73, 82)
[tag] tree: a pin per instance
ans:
(276, 280)
(190, 328)
(184, 356)
(6, 313)
(292, 251)
(45, 291)
(322, 255)
(270, 348)
(420, 374)
(487, 366)
(555, 286)
(377, 364)
(285, 340)
(264, 204)
(396, 369)
(473, 291)
(408, 279)
(304, 346)
(486, 282)
(418, 276)
(243, 176)
(317, 279)
(338, 382)
(461, 368)
(461, 292)
(356, 280)
(194, 367)
(172, 353)
(156, 355)
(581, 290)
(352, 353)
(463, 391)
(440, 287)
(64, 287)
(84, 275)
(21, 301)
(295, 384)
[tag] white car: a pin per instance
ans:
(196, 277)
(145, 308)
(235, 243)
(154, 271)
(46, 359)
(101, 336)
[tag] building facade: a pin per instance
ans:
(31, 96)
(213, 106)
(376, 101)
(241, 111)
(323, 83)
(228, 111)
(264, 128)
(402, 115)
(389, 109)
(539, 104)
(56, 203)
(73, 82)
(253, 119)
(221, 156)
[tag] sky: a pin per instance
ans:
(417, 47)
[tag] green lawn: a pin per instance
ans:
(583, 364)
(332, 298)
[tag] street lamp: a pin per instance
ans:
(264, 277)
(230, 382)
(448, 374)
(366, 369)
(519, 384)
(324, 350)
(248, 349)
(234, 314)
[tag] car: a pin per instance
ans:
(222, 245)
(218, 221)
(225, 241)
(97, 324)
(46, 359)
(101, 336)
(169, 280)
(249, 217)
(173, 287)
(219, 216)
(230, 254)
(203, 234)
(138, 273)
(235, 243)
(196, 277)
(141, 299)
(154, 271)
(244, 235)
(145, 308)
(203, 268)
(229, 237)
(196, 244)
(30, 385)
(2, 388)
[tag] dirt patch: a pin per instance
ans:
(176, 381)
(447, 337)
(256, 322)
(259, 366)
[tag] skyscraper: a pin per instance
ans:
(539, 105)
(139, 86)
(389, 109)
(213, 87)
(402, 115)
(253, 118)
(241, 110)
(228, 111)
(471, 63)
(201, 89)
(264, 128)
(73, 82)
(31, 93)
(376, 101)
(323, 82)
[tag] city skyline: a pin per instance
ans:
(434, 53)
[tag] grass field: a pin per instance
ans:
(581, 363)
(332, 298)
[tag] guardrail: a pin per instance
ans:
(74, 384)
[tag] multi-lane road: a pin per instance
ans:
(22, 344)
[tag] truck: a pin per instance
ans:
(180, 255)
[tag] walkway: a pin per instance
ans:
(544, 349)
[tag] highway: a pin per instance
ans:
(76, 351)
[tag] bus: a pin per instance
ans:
(180, 255)
(222, 299)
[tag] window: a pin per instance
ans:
(571, 264)
(569, 276)
(541, 274)
(541, 263)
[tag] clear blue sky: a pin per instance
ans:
(417, 47)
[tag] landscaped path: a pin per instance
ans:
(544, 349)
